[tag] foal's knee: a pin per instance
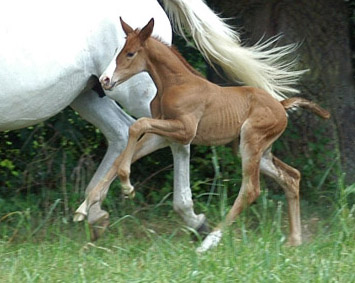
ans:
(138, 127)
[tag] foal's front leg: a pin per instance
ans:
(183, 203)
(171, 129)
(146, 145)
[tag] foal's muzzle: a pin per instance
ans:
(106, 83)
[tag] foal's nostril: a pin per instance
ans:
(105, 81)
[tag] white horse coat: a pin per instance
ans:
(49, 50)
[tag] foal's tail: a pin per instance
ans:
(304, 103)
(259, 66)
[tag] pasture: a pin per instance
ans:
(151, 244)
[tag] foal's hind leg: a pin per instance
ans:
(288, 178)
(248, 193)
(251, 152)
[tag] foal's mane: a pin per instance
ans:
(176, 52)
(184, 61)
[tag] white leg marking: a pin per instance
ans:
(81, 212)
(211, 241)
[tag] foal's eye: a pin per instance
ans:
(130, 54)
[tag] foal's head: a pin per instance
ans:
(131, 60)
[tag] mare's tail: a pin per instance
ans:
(260, 65)
(304, 103)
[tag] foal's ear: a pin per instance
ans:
(126, 28)
(146, 32)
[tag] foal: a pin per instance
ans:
(189, 109)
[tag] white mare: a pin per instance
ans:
(51, 51)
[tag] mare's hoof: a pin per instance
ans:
(202, 232)
(98, 222)
(98, 228)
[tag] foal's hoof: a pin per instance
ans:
(78, 217)
(130, 195)
(202, 231)
(128, 191)
(81, 212)
(210, 241)
(294, 242)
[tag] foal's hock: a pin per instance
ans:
(189, 109)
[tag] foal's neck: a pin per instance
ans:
(166, 66)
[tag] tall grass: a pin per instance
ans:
(153, 245)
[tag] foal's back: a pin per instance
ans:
(228, 109)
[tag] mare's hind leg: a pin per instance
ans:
(288, 178)
(183, 203)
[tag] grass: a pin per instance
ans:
(152, 245)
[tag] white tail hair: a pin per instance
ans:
(261, 65)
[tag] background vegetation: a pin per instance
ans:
(44, 171)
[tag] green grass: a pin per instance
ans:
(152, 245)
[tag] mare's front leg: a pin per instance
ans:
(114, 124)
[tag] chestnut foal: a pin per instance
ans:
(189, 109)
